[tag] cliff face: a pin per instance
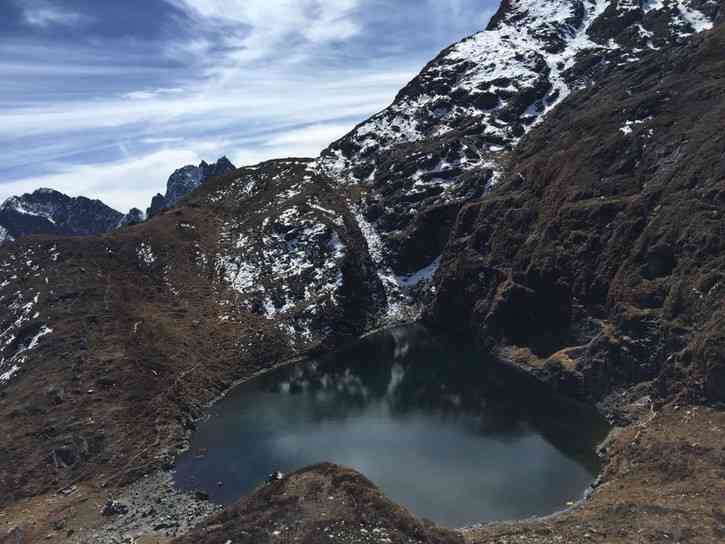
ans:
(598, 259)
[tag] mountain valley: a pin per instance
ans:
(552, 188)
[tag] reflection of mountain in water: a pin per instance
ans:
(404, 371)
(436, 425)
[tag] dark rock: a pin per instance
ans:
(55, 395)
(46, 211)
(185, 180)
(114, 508)
(63, 457)
(133, 217)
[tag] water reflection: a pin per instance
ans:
(426, 420)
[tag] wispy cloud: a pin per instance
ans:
(120, 184)
(41, 13)
(252, 79)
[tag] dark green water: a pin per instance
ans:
(425, 420)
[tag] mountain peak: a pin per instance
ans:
(47, 211)
(186, 179)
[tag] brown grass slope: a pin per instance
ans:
(320, 504)
(141, 345)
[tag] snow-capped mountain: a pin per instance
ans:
(186, 179)
(499, 82)
(446, 136)
(47, 211)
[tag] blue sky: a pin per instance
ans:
(106, 98)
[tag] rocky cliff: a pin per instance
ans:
(446, 137)
(185, 180)
(599, 256)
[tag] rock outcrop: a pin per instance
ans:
(133, 217)
(185, 180)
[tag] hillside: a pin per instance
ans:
(552, 186)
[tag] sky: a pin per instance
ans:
(106, 98)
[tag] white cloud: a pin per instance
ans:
(43, 14)
(321, 135)
(303, 142)
(122, 185)
(153, 93)
(257, 28)
(238, 77)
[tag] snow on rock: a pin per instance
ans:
(145, 254)
(444, 138)
(627, 128)
(697, 20)
(282, 248)
(500, 82)
(401, 304)
(23, 325)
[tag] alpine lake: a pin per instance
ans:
(437, 426)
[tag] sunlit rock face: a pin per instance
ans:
(445, 138)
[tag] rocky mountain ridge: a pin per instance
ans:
(185, 180)
(46, 211)
(51, 212)
(446, 137)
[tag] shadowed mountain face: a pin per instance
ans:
(49, 212)
(552, 185)
(600, 255)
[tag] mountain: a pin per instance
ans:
(46, 211)
(551, 187)
(449, 132)
(50, 212)
(133, 217)
(5, 235)
(186, 179)
(597, 259)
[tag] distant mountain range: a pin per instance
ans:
(50, 212)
